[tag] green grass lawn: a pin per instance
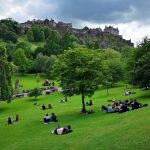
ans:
(33, 45)
(29, 81)
(98, 131)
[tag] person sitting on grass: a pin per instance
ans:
(49, 106)
(17, 117)
(83, 111)
(10, 121)
(54, 118)
(60, 131)
(46, 119)
(66, 100)
(123, 108)
(43, 107)
(109, 109)
(89, 103)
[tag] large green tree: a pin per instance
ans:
(35, 33)
(113, 60)
(26, 47)
(10, 36)
(6, 90)
(52, 45)
(20, 59)
(80, 70)
(68, 41)
(141, 64)
(40, 63)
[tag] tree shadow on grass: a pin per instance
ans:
(32, 99)
(3, 109)
(143, 97)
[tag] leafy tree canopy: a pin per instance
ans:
(80, 70)
(6, 90)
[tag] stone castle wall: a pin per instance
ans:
(81, 34)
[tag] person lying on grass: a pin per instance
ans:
(137, 105)
(62, 130)
(36, 104)
(128, 93)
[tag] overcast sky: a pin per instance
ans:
(132, 17)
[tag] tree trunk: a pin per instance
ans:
(83, 104)
(107, 91)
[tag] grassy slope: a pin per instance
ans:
(33, 45)
(99, 131)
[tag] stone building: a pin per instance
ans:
(81, 34)
(112, 30)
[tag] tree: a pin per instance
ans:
(11, 25)
(68, 41)
(10, 36)
(90, 43)
(6, 90)
(80, 70)
(20, 59)
(26, 47)
(36, 34)
(142, 63)
(139, 64)
(142, 71)
(112, 59)
(52, 46)
(35, 92)
(40, 63)
(116, 70)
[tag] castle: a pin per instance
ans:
(81, 34)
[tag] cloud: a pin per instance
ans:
(21, 10)
(131, 16)
(106, 11)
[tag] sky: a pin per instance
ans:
(132, 17)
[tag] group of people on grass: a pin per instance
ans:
(47, 118)
(128, 93)
(90, 103)
(84, 111)
(44, 107)
(53, 118)
(11, 120)
(64, 100)
(48, 83)
(122, 106)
